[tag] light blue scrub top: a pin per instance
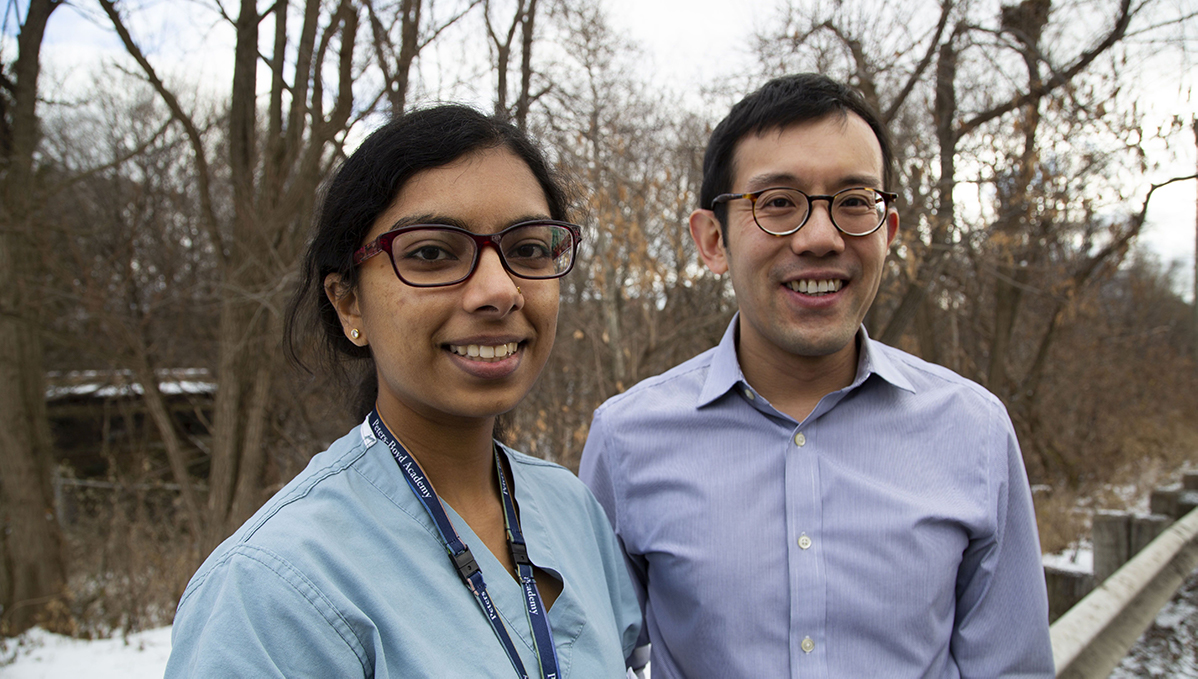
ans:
(342, 573)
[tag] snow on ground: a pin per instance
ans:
(1076, 559)
(1168, 649)
(38, 654)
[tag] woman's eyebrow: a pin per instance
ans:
(432, 219)
(429, 219)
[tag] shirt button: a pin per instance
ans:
(800, 440)
(807, 645)
(749, 394)
(804, 541)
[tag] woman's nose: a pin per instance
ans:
(491, 287)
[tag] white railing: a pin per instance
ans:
(1093, 636)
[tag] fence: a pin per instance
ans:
(1147, 559)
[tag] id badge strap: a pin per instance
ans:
(538, 616)
(459, 554)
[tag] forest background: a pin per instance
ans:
(151, 222)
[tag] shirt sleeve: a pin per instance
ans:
(253, 615)
(1001, 624)
(598, 469)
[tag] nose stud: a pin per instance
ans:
(518, 290)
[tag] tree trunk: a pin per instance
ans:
(938, 255)
(524, 101)
(32, 589)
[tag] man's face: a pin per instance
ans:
(807, 293)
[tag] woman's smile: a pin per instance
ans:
(485, 352)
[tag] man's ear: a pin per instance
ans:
(345, 300)
(709, 240)
(892, 226)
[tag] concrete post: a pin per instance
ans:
(1111, 533)
(1144, 528)
(1163, 501)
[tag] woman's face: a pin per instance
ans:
(422, 338)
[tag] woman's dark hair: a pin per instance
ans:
(360, 191)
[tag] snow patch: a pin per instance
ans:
(38, 654)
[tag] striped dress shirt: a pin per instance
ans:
(889, 534)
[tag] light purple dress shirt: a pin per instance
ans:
(889, 534)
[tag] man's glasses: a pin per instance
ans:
(783, 211)
(431, 255)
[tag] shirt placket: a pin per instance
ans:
(808, 587)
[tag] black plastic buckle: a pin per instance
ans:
(465, 564)
(520, 554)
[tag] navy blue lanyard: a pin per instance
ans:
(464, 563)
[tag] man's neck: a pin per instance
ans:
(794, 384)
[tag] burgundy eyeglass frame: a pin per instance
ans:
(383, 244)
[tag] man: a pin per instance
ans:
(802, 501)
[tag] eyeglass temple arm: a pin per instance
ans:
(367, 251)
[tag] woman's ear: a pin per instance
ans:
(344, 299)
(709, 240)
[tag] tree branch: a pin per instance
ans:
(203, 171)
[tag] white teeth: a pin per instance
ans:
(811, 287)
(485, 351)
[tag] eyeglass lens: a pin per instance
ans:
(436, 256)
(854, 211)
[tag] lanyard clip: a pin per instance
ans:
(520, 553)
(465, 565)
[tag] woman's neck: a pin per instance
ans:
(455, 454)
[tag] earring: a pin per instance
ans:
(354, 333)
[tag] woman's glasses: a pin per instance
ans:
(431, 255)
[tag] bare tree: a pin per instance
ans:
(635, 304)
(32, 567)
(400, 31)
(503, 42)
(275, 164)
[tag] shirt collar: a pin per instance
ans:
(874, 361)
(725, 372)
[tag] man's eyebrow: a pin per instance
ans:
(770, 180)
(773, 179)
(866, 180)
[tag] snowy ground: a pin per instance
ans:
(41, 655)
(1169, 647)
(1078, 559)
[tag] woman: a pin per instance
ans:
(416, 546)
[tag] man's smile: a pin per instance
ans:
(816, 287)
